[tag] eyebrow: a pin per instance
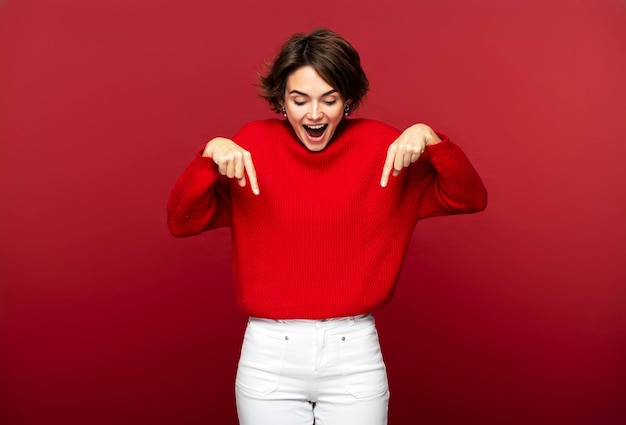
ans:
(298, 92)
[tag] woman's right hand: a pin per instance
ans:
(232, 161)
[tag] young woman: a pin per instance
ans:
(322, 208)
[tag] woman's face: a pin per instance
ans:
(314, 109)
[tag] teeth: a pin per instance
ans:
(315, 127)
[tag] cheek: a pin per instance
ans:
(292, 120)
(338, 112)
(295, 124)
(337, 117)
(293, 115)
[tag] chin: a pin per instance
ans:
(316, 148)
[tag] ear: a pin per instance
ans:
(347, 109)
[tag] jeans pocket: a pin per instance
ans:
(261, 362)
(362, 364)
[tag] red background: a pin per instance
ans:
(512, 316)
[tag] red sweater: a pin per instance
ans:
(322, 239)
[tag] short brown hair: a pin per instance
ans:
(332, 57)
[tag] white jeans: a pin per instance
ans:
(300, 372)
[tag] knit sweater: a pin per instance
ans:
(323, 239)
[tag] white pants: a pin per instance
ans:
(300, 372)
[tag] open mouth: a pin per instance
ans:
(315, 131)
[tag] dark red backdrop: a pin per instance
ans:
(512, 316)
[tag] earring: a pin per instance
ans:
(284, 112)
(346, 110)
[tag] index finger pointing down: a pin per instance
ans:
(389, 160)
(247, 162)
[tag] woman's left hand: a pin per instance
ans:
(406, 149)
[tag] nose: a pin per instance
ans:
(315, 114)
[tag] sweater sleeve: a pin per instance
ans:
(452, 184)
(199, 200)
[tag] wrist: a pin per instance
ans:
(432, 138)
(208, 148)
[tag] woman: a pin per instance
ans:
(322, 208)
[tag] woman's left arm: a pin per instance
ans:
(454, 186)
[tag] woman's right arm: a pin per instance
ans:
(200, 198)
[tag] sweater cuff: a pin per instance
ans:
(204, 165)
(443, 148)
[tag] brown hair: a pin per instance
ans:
(332, 57)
